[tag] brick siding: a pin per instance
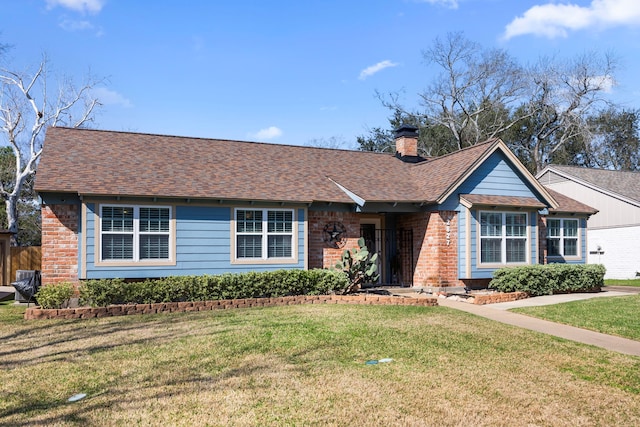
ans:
(542, 239)
(59, 243)
(321, 255)
(435, 248)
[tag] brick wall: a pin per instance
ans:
(321, 255)
(59, 243)
(435, 248)
(542, 239)
(173, 307)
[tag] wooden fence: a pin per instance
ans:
(25, 258)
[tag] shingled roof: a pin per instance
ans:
(569, 205)
(622, 183)
(107, 163)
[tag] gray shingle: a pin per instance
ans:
(623, 183)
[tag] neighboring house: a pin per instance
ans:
(129, 205)
(614, 233)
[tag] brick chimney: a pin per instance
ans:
(407, 144)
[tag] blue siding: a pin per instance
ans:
(203, 246)
(486, 273)
(495, 176)
(463, 235)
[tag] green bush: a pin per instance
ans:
(103, 292)
(55, 295)
(549, 279)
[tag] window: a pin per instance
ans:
(264, 234)
(135, 233)
(562, 237)
(503, 238)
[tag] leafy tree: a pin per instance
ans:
(27, 108)
(616, 139)
(433, 139)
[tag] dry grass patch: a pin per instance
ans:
(304, 365)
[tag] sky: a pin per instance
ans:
(292, 72)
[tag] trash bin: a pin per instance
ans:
(26, 285)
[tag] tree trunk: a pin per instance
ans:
(11, 204)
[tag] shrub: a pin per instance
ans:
(55, 295)
(103, 292)
(549, 279)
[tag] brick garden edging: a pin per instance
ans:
(181, 307)
(500, 297)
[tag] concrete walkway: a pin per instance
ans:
(499, 313)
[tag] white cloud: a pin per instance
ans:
(556, 20)
(604, 82)
(109, 97)
(90, 6)
(73, 25)
(267, 133)
(451, 4)
(370, 71)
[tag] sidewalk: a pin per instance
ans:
(499, 313)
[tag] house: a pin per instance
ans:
(614, 233)
(131, 205)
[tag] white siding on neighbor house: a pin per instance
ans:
(620, 249)
(550, 178)
(612, 212)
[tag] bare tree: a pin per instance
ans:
(27, 108)
(561, 97)
(335, 142)
(473, 91)
(538, 110)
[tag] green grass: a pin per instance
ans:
(616, 282)
(305, 365)
(611, 315)
(10, 313)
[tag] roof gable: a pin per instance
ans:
(620, 184)
(449, 175)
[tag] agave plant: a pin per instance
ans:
(359, 265)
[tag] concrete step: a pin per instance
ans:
(7, 292)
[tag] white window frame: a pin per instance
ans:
(503, 239)
(136, 233)
(562, 237)
(264, 235)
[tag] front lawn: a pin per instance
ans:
(609, 315)
(306, 365)
(616, 282)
